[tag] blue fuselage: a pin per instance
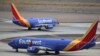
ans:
(48, 23)
(54, 44)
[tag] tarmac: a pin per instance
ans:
(5, 50)
(64, 30)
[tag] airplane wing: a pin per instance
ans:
(41, 47)
(35, 49)
(97, 43)
(8, 21)
(4, 20)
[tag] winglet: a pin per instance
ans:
(18, 17)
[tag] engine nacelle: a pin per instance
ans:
(49, 26)
(32, 49)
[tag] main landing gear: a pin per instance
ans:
(29, 28)
(56, 52)
(39, 28)
(47, 52)
(16, 50)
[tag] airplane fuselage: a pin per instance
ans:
(53, 44)
(48, 23)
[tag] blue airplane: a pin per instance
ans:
(33, 45)
(47, 23)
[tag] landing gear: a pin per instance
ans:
(47, 52)
(39, 28)
(16, 50)
(29, 28)
(56, 52)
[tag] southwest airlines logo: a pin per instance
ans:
(21, 41)
(44, 21)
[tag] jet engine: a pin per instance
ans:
(49, 26)
(32, 49)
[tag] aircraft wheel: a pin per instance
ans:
(39, 28)
(16, 50)
(56, 52)
(47, 52)
(29, 28)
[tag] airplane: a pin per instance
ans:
(45, 22)
(34, 45)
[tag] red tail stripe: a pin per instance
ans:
(17, 16)
(15, 13)
(87, 38)
(91, 34)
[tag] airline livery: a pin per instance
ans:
(30, 23)
(33, 45)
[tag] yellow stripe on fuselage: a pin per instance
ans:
(73, 43)
(25, 21)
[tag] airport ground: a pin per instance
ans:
(63, 10)
(75, 17)
(9, 31)
(64, 30)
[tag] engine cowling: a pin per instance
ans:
(32, 49)
(49, 26)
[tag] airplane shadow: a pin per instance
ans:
(47, 30)
(44, 54)
(38, 54)
(26, 30)
(31, 54)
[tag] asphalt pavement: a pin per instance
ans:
(9, 31)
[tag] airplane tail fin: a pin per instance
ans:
(18, 17)
(91, 32)
(88, 37)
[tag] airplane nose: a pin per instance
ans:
(12, 44)
(9, 43)
(57, 22)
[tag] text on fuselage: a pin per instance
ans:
(44, 21)
(34, 42)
